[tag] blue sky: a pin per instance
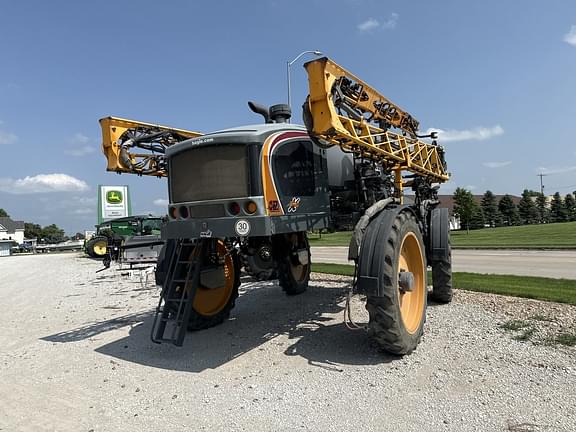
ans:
(498, 77)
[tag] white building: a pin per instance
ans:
(11, 230)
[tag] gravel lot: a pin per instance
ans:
(75, 355)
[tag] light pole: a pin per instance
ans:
(541, 184)
(290, 63)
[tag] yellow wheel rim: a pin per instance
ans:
(412, 302)
(211, 301)
(100, 247)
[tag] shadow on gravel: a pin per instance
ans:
(91, 330)
(262, 313)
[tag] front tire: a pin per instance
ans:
(397, 317)
(211, 306)
(97, 247)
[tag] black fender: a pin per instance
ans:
(371, 256)
(437, 243)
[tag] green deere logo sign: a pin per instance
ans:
(114, 197)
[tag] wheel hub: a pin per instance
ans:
(265, 253)
(406, 281)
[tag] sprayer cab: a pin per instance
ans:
(249, 181)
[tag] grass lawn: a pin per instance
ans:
(548, 236)
(556, 290)
(557, 235)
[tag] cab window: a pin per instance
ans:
(294, 169)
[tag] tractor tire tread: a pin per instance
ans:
(386, 327)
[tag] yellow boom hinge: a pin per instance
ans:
(122, 139)
(343, 110)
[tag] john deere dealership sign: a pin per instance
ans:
(113, 202)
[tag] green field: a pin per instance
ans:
(556, 290)
(558, 235)
(548, 236)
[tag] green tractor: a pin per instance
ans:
(111, 236)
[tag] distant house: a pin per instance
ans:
(11, 230)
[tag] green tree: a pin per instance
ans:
(570, 205)
(557, 209)
(543, 212)
(32, 230)
(52, 234)
(489, 207)
(508, 211)
(527, 209)
(477, 220)
(464, 207)
(3, 213)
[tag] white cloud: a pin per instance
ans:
(369, 24)
(42, 183)
(556, 170)
(84, 211)
(80, 146)
(570, 37)
(7, 137)
(496, 164)
(373, 23)
(476, 134)
(160, 202)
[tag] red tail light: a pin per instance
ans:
(234, 208)
(184, 213)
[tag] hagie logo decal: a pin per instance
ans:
(293, 204)
(114, 197)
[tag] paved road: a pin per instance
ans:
(554, 264)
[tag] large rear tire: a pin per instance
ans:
(397, 317)
(293, 262)
(442, 291)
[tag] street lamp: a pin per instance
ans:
(288, 64)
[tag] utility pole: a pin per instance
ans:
(541, 184)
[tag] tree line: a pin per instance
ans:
(47, 234)
(533, 208)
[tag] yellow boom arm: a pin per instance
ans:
(122, 139)
(345, 111)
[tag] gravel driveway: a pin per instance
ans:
(75, 355)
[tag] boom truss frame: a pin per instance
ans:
(345, 111)
(121, 138)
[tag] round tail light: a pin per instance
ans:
(234, 208)
(184, 213)
(250, 207)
